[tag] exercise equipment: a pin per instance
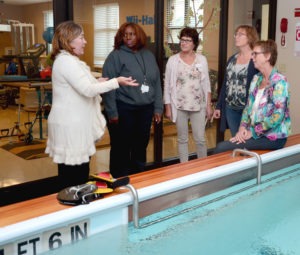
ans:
(29, 60)
(44, 107)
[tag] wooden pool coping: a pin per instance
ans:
(37, 207)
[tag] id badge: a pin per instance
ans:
(145, 88)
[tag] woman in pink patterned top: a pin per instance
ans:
(187, 93)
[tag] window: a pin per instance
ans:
(106, 24)
(181, 13)
(48, 22)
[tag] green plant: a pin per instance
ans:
(49, 61)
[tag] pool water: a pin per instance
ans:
(261, 220)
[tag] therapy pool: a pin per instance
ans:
(218, 210)
(244, 219)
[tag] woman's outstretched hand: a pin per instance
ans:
(128, 81)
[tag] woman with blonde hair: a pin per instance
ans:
(239, 73)
(75, 121)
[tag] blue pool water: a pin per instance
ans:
(261, 220)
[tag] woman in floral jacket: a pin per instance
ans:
(265, 123)
(187, 93)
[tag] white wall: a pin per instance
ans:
(287, 63)
(238, 10)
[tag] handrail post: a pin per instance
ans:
(135, 205)
(258, 159)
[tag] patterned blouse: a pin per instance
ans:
(236, 84)
(190, 94)
(171, 77)
(272, 117)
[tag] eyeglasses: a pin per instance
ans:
(238, 34)
(127, 35)
(255, 53)
(186, 40)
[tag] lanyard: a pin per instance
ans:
(142, 66)
(145, 85)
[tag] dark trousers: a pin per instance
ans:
(129, 139)
(71, 175)
(262, 143)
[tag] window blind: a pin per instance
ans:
(106, 24)
(48, 19)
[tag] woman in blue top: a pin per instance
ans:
(239, 73)
(130, 111)
(265, 123)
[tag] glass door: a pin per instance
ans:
(204, 16)
(101, 20)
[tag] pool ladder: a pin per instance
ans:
(258, 159)
(135, 204)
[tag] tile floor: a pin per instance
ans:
(15, 170)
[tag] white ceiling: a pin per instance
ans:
(23, 2)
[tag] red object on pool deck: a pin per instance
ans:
(47, 72)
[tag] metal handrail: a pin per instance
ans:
(258, 159)
(135, 205)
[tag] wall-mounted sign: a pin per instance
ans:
(297, 35)
(143, 20)
(297, 40)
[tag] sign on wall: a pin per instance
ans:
(297, 35)
(141, 20)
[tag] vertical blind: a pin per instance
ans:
(106, 24)
(48, 19)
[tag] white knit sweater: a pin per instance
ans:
(75, 121)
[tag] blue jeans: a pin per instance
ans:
(262, 143)
(233, 118)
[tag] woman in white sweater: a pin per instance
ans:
(75, 121)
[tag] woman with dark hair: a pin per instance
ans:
(130, 110)
(239, 73)
(75, 121)
(266, 122)
(187, 93)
